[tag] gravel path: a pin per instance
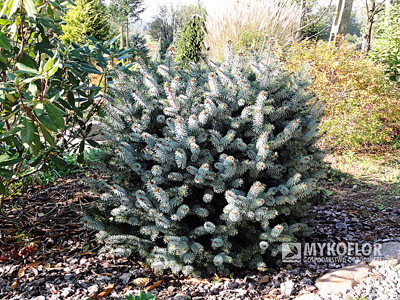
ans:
(57, 259)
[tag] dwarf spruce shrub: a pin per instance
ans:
(209, 169)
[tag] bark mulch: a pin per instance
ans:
(45, 253)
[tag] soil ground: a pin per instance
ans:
(45, 252)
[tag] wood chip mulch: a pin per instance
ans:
(45, 253)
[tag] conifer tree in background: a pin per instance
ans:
(121, 14)
(86, 18)
(157, 55)
(210, 169)
(138, 42)
(190, 43)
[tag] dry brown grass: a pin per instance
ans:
(246, 23)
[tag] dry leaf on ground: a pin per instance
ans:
(21, 272)
(141, 282)
(264, 279)
(106, 292)
(14, 285)
(153, 286)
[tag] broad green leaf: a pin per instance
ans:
(2, 59)
(53, 70)
(3, 188)
(30, 7)
(11, 162)
(124, 56)
(103, 49)
(81, 158)
(58, 161)
(12, 131)
(25, 69)
(113, 40)
(8, 103)
(48, 65)
(36, 142)
(15, 5)
(5, 173)
(90, 69)
(39, 109)
(47, 122)
(55, 114)
(93, 143)
(47, 135)
(33, 89)
(4, 42)
(71, 99)
(27, 132)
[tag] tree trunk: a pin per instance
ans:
(121, 39)
(342, 18)
(127, 33)
(372, 11)
(303, 12)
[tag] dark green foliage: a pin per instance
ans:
(85, 18)
(47, 98)
(122, 10)
(138, 42)
(190, 44)
(208, 171)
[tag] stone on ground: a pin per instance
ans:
(342, 279)
(389, 255)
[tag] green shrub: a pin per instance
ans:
(190, 43)
(85, 18)
(208, 170)
(362, 106)
(46, 97)
(386, 46)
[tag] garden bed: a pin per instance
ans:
(55, 258)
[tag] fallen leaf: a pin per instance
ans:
(264, 279)
(142, 281)
(3, 257)
(93, 296)
(196, 280)
(47, 266)
(53, 291)
(143, 265)
(86, 253)
(14, 285)
(21, 272)
(57, 234)
(106, 274)
(153, 286)
(106, 292)
(34, 264)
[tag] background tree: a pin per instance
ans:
(341, 19)
(121, 14)
(86, 18)
(316, 20)
(191, 40)
(163, 25)
(373, 9)
(168, 22)
(386, 47)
